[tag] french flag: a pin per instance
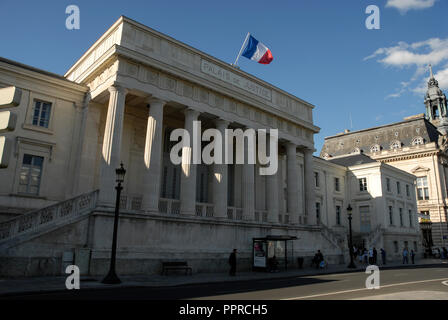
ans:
(257, 51)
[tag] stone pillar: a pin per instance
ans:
(153, 156)
(310, 209)
(188, 175)
(111, 153)
(248, 188)
(292, 182)
(220, 177)
(272, 199)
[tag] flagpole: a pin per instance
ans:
(241, 50)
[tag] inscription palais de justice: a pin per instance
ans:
(234, 79)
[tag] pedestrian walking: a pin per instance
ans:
(405, 256)
(375, 255)
(412, 256)
(383, 255)
(232, 263)
(370, 256)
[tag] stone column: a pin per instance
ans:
(292, 182)
(188, 175)
(220, 177)
(248, 188)
(272, 199)
(310, 209)
(153, 156)
(111, 153)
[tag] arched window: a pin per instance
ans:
(395, 145)
(417, 141)
(375, 148)
(435, 112)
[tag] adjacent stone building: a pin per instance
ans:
(416, 145)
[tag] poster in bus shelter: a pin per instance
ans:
(260, 254)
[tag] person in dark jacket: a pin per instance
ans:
(375, 255)
(383, 255)
(413, 256)
(232, 262)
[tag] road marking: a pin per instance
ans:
(363, 289)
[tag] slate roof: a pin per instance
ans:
(362, 141)
(352, 160)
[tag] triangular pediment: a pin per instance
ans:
(420, 169)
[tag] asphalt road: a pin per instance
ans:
(421, 283)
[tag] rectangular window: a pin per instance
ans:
(336, 184)
(391, 216)
(415, 246)
(318, 211)
(401, 216)
(396, 246)
(422, 188)
(316, 179)
(30, 174)
(41, 113)
(364, 212)
(363, 184)
(398, 187)
(408, 191)
(411, 224)
(338, 215)
(388, 184)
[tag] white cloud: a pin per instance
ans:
(405, 5)
(419, 55)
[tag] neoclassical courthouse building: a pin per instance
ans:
(64, 136)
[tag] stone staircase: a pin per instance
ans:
(38, 222)
(336, 239)
(374, 236)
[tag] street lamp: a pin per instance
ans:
(350, 241)
(112, 277)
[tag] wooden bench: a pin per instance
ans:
(176, 265)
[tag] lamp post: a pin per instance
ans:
(112, 277)
(350, 243)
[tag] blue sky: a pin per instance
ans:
(323, 53)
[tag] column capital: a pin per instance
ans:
(155, 100)
(190, 112)
(307, 150)
(119, 88)
(290, 147)
(221, 124)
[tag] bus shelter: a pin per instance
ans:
(272, 253)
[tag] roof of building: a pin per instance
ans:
(352, 160)
(28, 67)
(405, 132)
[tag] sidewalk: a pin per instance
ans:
(57, 283)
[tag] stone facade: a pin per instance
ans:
(416, 145)
(118, 104)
